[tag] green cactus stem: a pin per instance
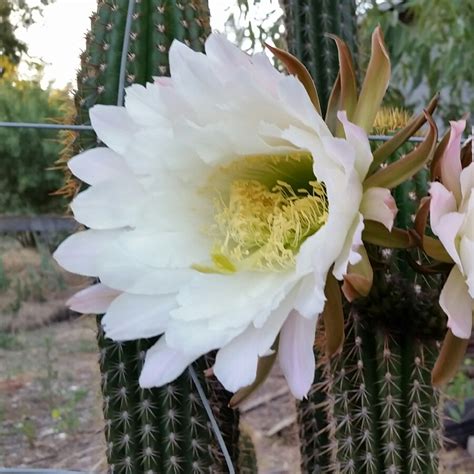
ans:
(162, 430)
(372, 408)
(307, 24)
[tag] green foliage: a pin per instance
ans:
(4, 280)
(459, 390)
(430, 44)
(9, 342)
(67, 414)
(26, 154)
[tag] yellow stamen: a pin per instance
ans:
(267, 211)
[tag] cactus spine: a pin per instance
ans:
(372, 408)
(163, 430)
(307, 23)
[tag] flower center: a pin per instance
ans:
(272, 204)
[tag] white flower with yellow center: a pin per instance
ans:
(215, 213)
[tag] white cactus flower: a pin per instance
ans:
(215, 213)
(452, 221)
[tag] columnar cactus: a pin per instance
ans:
(163, 430)
(372, 408)
(308, 22)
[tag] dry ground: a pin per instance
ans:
(50, 404)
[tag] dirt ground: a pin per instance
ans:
(50, 403)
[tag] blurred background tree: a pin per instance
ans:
(431, 47)
(25, 153)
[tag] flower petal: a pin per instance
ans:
(137, 316)
(457, 304)
(163, 365)
(79, 253)
(447, 230)
(93, 300)
(450, 163)
(310, 299)
(99, 165)
(172, 249)
(466, 253)
(378, 205)
(295, 353)
(442, 202)
(358, 139)
(236, 363)
(110, 205)
(97, 253)
(467, 183)
(215, 296)
(113, 126)
(349, 254)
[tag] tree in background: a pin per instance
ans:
(431, 47)
(26, 154)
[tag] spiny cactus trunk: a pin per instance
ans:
(162, 430)
(374, 403)
(307, 23)
(382, 413)
(372, 408)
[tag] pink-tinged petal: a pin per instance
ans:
(457, 304)
(163, 365)
(442, 202)
(295, 353)
(93, 300)
(467, 182)
(451, 160)
(357, 137)
(137, 316)
(378, 205)
(98, 165)
(113, 126)
(447, 229)
(466, 252)
(445, 222)
(163, 81)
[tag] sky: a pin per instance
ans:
(58, 37)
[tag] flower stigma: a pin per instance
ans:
(266, 206)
